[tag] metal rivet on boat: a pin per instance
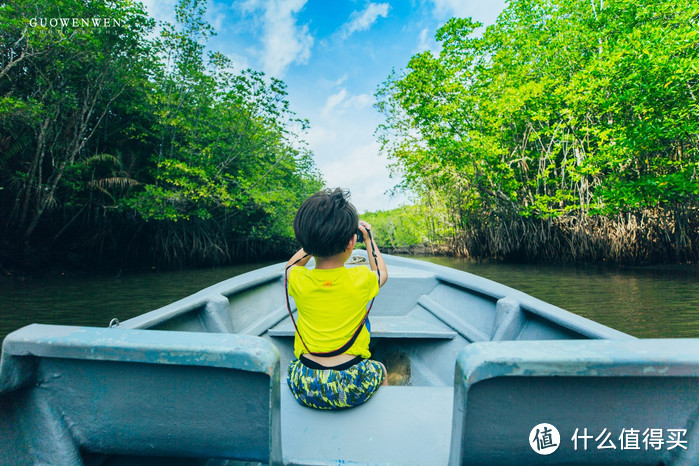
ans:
(114, 323)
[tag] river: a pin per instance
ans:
(647, 302)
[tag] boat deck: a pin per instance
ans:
(398, 425)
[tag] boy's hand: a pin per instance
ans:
(363, 227)
(377, 265)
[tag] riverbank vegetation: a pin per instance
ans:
(123, 146)
(567, 131)
(411, 229)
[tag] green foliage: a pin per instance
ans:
(560, 109)
(112, 129)
(408, 226)
(58, 83)
(397, 228)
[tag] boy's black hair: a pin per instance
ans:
(325, 223)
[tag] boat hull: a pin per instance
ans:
(476, 366)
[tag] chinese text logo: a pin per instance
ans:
(544, 439)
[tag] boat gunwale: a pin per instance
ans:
(467, 281)
(497, 291)
(202, 297)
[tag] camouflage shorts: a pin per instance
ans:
(336, 388)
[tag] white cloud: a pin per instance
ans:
(283, 40)
(458, 8)
(346, 151)
(240, 62)
(340, 80)
(427, 42)
(341, 102)
(248, 6)
(326, 83)
(217, 16)
(319, 136)
(365, 174)
(362, 21)
(360, 101)
(332, 102)
(484, 12)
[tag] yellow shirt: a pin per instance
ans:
(331, 303)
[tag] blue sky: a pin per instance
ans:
(333, 55)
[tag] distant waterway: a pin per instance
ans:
(648, 302)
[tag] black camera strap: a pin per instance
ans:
(356, 333)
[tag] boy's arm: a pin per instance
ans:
(371, 249)
(301, 256)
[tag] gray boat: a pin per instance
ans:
(482, 374)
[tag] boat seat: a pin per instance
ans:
(110, 394)
(397, 425)
(611, 402)
(385, 327)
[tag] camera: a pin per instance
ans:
(360, 235)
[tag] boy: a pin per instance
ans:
(332, 341)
